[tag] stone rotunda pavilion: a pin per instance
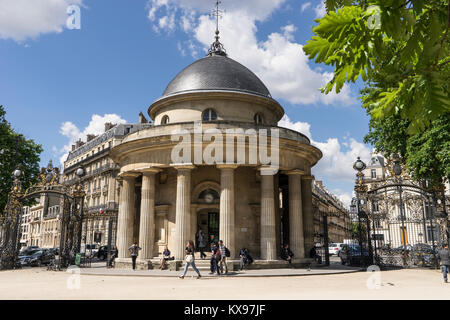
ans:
(163, 203)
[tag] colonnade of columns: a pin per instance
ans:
(300, 216)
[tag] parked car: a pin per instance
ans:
(350, 254)
(335, 248)
(25, 255)
(55, 251)
(26, 251)
(43, 256)
(90, 250)
(102, 252)
(25, 260)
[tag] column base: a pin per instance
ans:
(126, 263)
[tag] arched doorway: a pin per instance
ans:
(207, 209)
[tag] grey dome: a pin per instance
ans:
(216, 72)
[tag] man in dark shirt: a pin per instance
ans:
(215, 258)
(286, 254)
(134, 249)
(445, 261)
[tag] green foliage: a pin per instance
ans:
(27, 157)
(356, 228)
(399, 48)
(427, 153)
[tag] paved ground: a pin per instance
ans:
(99, 269)
(37, 283)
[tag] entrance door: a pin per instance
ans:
(404, 236)
(213, 224)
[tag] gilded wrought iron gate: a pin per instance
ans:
(321, 239)
(70, 223)
(10, 230)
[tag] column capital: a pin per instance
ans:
(308, 177)
(267, 171)
(183, 166)
(128, 175)
(150, 171)
(162, 209)
(294, 172)
(227, 166)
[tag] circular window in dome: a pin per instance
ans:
(209, 115)
(165, 120)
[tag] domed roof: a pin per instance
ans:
(216, 72)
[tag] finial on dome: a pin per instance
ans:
(217, 47)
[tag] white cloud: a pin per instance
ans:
(338, 156)
(305, 6)
(344, 197)
(23, 19)
(320, 9)
(302, 127)
(278, 60)
(96, 126)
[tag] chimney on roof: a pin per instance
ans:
(109, 126)
(79, 143)
(74, 147)
(90, 137)
(142, 118)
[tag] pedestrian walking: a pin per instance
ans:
(134, 249)
(216, 256)
(223, 260)
(190, 259)
(445, 261)
(201, 239)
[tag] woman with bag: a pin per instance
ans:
(190, 259)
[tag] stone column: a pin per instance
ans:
(183, 208)
(296, 238)
(227, 207)
(268, 233)
(147, 223)
(308, 215)
(125, 219)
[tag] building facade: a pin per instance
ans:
(330, 210)
(41, 223)
(170, 190)
(100, 181)
(387, 225)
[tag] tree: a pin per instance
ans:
(357, 230)
(16, 150)
(399, 48)
(426, 154)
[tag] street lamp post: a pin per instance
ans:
(360, 189)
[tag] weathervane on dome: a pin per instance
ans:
(217, 48)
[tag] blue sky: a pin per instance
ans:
(54, 80)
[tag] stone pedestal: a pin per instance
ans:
(126, 213)
(227, 208)
(268, 233)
